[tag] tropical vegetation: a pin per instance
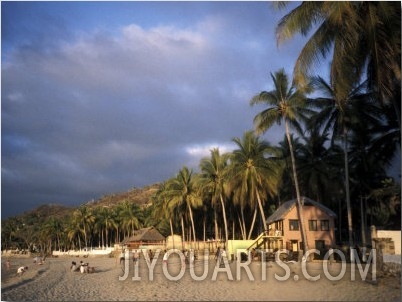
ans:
(340, 137)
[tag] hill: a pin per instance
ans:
(140, 196)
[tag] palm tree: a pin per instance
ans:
(362, 36)
(85, 217)
(319, 165)
(212, 180)
(130, 214)
(182, 192)
(74, 231)
(160, 208)
(342, 115)
(108, 221)
(287, 104)
(252, 173)
(285, 183)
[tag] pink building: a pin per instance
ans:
(319, 225)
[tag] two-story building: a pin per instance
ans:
(319, 224)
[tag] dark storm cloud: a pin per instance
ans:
(102, 111)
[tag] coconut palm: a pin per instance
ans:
(212, 179)
(181, 192)
(160, 208)
(285, 183)
(74, 231)
(108, 221)
(361, 36)
(289, 105)
(86, 219)
(343, 115)
(252, 174)
(319, 165)
(130, 214)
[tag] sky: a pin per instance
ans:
(102, 97)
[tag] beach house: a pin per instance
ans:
(319, 224)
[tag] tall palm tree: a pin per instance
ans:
(213, 179)
(160, 208)
(252, 173)
(85, 217)
(109, 222)
(182, 192)
(285, 184)
(74, 231)
(319, 165)
(289, 105)
(130, 214)
(342, 115)
(362, 36)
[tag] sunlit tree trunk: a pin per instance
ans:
(252, 223)
(299, 204)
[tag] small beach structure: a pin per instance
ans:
(144, 237)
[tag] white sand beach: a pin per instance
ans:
(53, 281)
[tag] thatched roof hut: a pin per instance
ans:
(145, 236)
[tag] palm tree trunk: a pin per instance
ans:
(252, 223)
(204, 223)
(182, 232)
(215, 224)
(243, 225)
(171, 231)
(224, 220)
(363, 226)
(340, 221)
(299, 205)
(264, 221)
(192, 222)
(85, 235)
(349, 210)
(233, 226)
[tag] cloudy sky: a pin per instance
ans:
(101, 97)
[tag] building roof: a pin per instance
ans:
(146, 234)
(285, 208)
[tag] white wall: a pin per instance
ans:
(396, 238)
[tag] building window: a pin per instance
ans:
(324, 225)
(312, 225)
(293, 225)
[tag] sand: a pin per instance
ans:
(53, 281)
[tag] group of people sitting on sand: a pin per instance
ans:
(82, 267)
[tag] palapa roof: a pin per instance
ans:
(285, 208)
(146, 234)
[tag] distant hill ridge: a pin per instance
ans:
(140, 196)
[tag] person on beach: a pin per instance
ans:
(218, 255)
(38, 260)
(150, 255)
(21, 270)
(84, 267)
(192, 256)
(165, 258)
(135, 256)
(74, 267)
(8, 264)
(223, 255)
